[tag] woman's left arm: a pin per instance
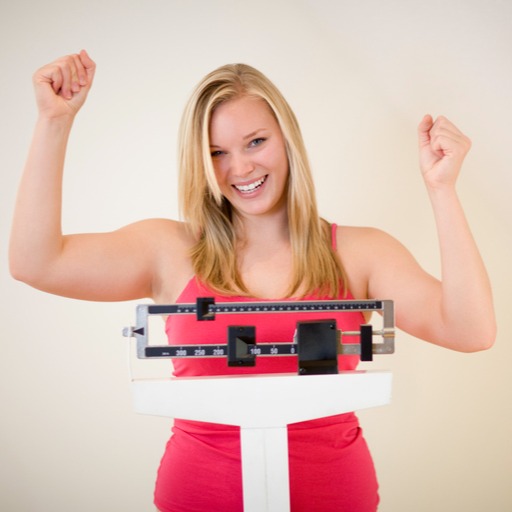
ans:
(456, 311)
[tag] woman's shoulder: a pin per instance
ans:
(161, 230)
(366, 244)
(349, 236)
(360, 249)
(170, 243)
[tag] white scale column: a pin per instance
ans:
(262, 406)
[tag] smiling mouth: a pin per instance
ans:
(251, 187)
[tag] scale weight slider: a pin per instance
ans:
(317, 343)
(241, 339)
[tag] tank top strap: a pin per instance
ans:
(333, 235)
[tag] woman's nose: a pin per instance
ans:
(241, 165)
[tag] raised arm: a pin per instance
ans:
(457, 310)
(111, 266)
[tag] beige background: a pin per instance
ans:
(360, 75)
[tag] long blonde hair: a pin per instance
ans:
(316, 267)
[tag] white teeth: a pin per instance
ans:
(252, 186)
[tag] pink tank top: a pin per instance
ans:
(330, 465)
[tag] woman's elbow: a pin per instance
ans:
(24, 272)
(20, 274)
(16, 270)
(481, 340)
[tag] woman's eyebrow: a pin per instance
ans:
(252, 134)
(245, 137)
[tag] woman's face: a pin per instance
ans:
(249, 156)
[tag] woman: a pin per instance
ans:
(251, 231)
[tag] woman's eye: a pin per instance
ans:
(216, 153)
(257, 142)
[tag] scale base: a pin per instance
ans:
(263, 406)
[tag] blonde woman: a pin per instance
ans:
(251, 230)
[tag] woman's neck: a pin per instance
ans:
(264, 255)
(266, 230)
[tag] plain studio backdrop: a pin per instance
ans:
(360, 75)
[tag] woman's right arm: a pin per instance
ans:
(106, 266)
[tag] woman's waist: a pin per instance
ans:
(339, 421)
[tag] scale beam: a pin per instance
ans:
(240, 353)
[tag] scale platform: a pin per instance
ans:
(264, 405)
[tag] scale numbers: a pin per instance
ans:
(264, 349)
